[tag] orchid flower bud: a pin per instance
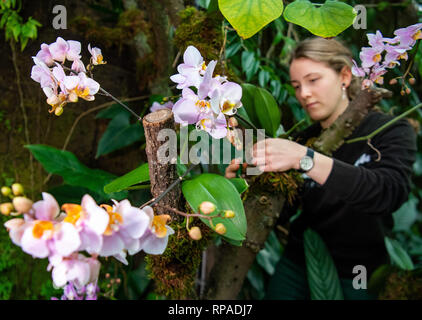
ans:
(220, 228)
(6, 208)
(58, 111)
(207, 207)
(233, 122)
(195, 233)
(17, 189)
(412, 81)
(22, 204)
(6, 191)
(229, 214)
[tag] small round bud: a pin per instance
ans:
(6, 208)
(58, 111)
(107, 275)
(22, 204)
(6, 191)
(17, 189)
(402, 92)
(233, 122)
(118, 280)
(407, 90)
(412, 81)
(220, 228)
(393, 81)
(207, 207)
(111, 281)
(229, 214)
(195, 233)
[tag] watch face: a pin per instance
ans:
(306, 163)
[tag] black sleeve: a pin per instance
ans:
(383, 186)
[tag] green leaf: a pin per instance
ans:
(398, 255)
(267, 111)
(250, 64)
(323, 279)
(221, 192)
(248, 94)
(240, 184)
(120, 133)
(268, 257)
(250, 16)
(139, 175)
(328, 20)
(406, 216)
(71, 194)
(73, 172)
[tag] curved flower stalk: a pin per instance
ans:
(206, 100)
(385, 53)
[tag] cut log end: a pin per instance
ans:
(158, 116)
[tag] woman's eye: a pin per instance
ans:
(313, 80)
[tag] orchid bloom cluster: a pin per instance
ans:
(49, 72)
(214, 98)
(45, 231)
(88, 292)
(385, 53)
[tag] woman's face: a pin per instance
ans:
(319, 89)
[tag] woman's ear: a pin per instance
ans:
(346, 75)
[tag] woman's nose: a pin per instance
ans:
(305, 92)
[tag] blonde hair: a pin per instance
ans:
(331, 52)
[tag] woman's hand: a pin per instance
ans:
(277, 154)
(232, 168)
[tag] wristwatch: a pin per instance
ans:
(307, 161)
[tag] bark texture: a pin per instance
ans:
(333, 137)
(162, 172)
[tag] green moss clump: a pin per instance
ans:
(402, 285)
(175, 270)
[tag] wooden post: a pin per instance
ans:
(162, 173)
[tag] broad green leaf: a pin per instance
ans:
(73, 172)
(120, 133)
(328, 20)
(250, 64)
(248, 94)
(398, 255)
(267, 111)
(221, 192)
(139, 175)
(72, 194)
(240, 184)
(268, 257)
(323, 279)
(406, 216)
(257, 280)
(250, 16)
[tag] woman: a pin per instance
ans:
(349, 198)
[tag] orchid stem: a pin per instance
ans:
(249, 123)
(371, 135)
(121, 103)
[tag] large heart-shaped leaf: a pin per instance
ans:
(398, 255)
(250, 16)
(73, 172)
(221, 192)
(323, 279)
(139, 175)
(326, 21)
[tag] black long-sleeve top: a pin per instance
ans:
(352, 211)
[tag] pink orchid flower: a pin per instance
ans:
(96, 56)
(41, 73)
(189, 71)
(91, 222)
(62, 50)
(81, 86)
(216, 127)
(369, 57)
(78, 66)
(126, 225)
(190, 107)
(377, 73)
(155, 239)
(226, 98)
(408, 36)
(77, 269)
(356, 71)
(45, 235)
(45, 55)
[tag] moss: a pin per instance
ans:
(402, 285)
(175, 270)
(201, 30)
